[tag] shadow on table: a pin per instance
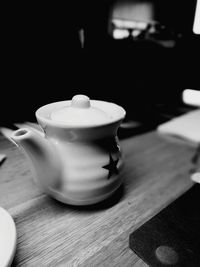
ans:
(105, 204)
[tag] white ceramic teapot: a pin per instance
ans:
(78, 160)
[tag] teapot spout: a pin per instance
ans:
(42, 155)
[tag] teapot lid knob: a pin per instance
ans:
(80, 101)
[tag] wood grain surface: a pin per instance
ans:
(53, 234)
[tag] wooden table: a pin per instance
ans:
(54, 234)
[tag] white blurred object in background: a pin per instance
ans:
(120, 33)
(191, 97)
(196, 25)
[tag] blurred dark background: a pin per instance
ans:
(139, 54)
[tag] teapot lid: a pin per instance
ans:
(80, 111)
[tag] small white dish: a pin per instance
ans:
(8, 238)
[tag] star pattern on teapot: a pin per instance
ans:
(111, 167)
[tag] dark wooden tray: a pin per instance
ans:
(172, 237)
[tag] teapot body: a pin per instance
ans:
(77, 159)
(90, 163)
